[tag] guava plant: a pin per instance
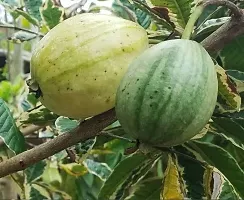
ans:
(138, 100)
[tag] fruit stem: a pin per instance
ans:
(191, 22)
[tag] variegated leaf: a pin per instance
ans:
(230, 129)
(179, 10)
(227, 89)
(193, 182)
(217, 186)
(222, 160)
(208, 27)
(148, 189)
(172, 188)
(128, 172)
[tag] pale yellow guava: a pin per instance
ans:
(79, 64)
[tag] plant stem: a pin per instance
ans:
(20, 29)
(191, 22)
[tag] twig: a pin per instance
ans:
(237, 12)
(20, 29)
(71, 155)
(118, 137)
(86, 130)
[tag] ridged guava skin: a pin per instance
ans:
(79, 64)
(168, 93)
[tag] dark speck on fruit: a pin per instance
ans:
(95, 79)
(150, 105)
(76, 75)
(155, 91)
(151, 97)
(137, 79)
(169, 88)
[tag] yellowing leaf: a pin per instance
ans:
(74, 169)
(227, 89)
(171, 183)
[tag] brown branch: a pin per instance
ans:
(87, 129)
(234, 8)
(224, 35)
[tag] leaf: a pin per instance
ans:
(26, 16)
(34, 171)
(179, 10)
(227, 89)
(32, 7)
(101, 170)
(148, 189)
(52, 15)
(223, 161)
(121, 172)
(232, 54)
(172, 188)
(74, 169)
(193, 182)
(158, 15)
(35, 194)
(38, 116)
(209, 27)
(230, 128)
(135, 177)
(129, 11)
(22, 36)
(51, 174)
(9, 132)
(64, 124)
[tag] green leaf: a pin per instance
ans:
(101, 170)
(148, 189)
(129, 11)
(135, 177)
(158, 15)
(64, 124)
(74, 169)
(223, 161)
(52, 15)
(227, 191)
(26, 16)
(9, 132)
(179, 10)
(209, 27)
(34, 171)
(51, 174)
(227, 89)
(32, 7)
(193, 182)
(38, 116)
(121, 172)
(232, 54)
(35, 194)
(229, 128)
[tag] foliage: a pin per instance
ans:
(209, 166)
